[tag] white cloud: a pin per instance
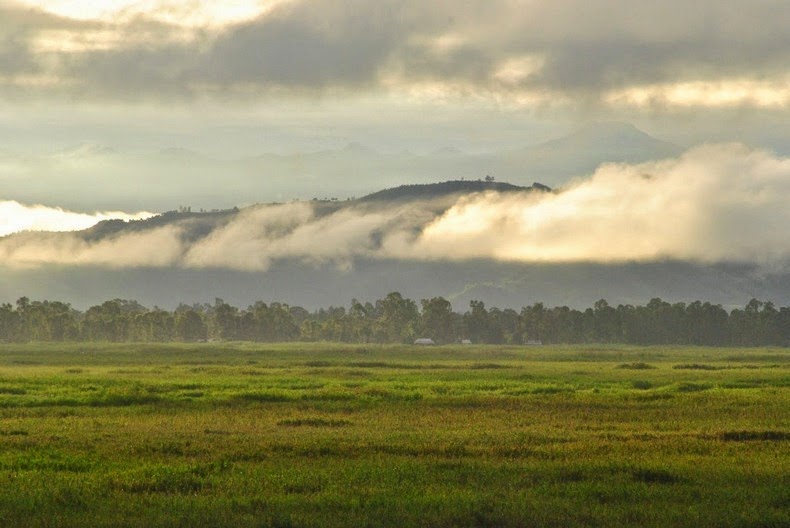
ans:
(245, 242)
(178, 12)
(724, 93)
(715, 203)
(298, 231)
(153, 248)
(15, 217)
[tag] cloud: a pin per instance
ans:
(301, 231)
(501, 49)
(715, 203)
(15, 217)
(308, 45)
(180, 12)
(724, 94)
(159, 247)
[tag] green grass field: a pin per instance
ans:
(336, 435)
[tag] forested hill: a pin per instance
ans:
(199, 223)
(437, 190)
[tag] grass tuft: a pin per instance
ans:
(696, 366)
(313, 422)
(655, 476)
(16, 391)
(748, 436)
(262, 397)
(693, 387)
(637, 365)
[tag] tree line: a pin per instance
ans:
(396, 319)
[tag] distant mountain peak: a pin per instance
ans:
(607, 141)
(86, 149)
(612, 126)
(178, 153)
(356, 147)
(612, 130)
(447, 151)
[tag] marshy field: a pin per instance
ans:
(242, 434)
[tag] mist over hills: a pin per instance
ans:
(326, 252)
(432, 199)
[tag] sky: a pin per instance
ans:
(122, 109)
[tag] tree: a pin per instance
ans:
(563, 325)
(224, 321)
(155, 325)
(706, 324)
(61, 321)
(476, 322)
(783, 323)
(283, 322)
(532, 323)
(399, 319)
(436, 320)
(606, 325)
(361, 316)
(104, 322)
(310, 330)
(9, 323)
(190, 326)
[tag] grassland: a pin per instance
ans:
(334, 435)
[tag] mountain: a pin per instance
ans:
(84, 150)
(615, 141)
(581, 152)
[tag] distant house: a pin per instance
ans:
(533, 342)
(424, 341)
(466, 341)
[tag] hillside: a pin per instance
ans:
(436, 190)
(200, 224)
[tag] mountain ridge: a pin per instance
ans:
(434, 190)
(202, 222)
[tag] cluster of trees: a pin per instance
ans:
(396, 319)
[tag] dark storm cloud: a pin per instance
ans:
(17, 27)
(132, 72)
(583, 47)
(599, 45)
(306, 45)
